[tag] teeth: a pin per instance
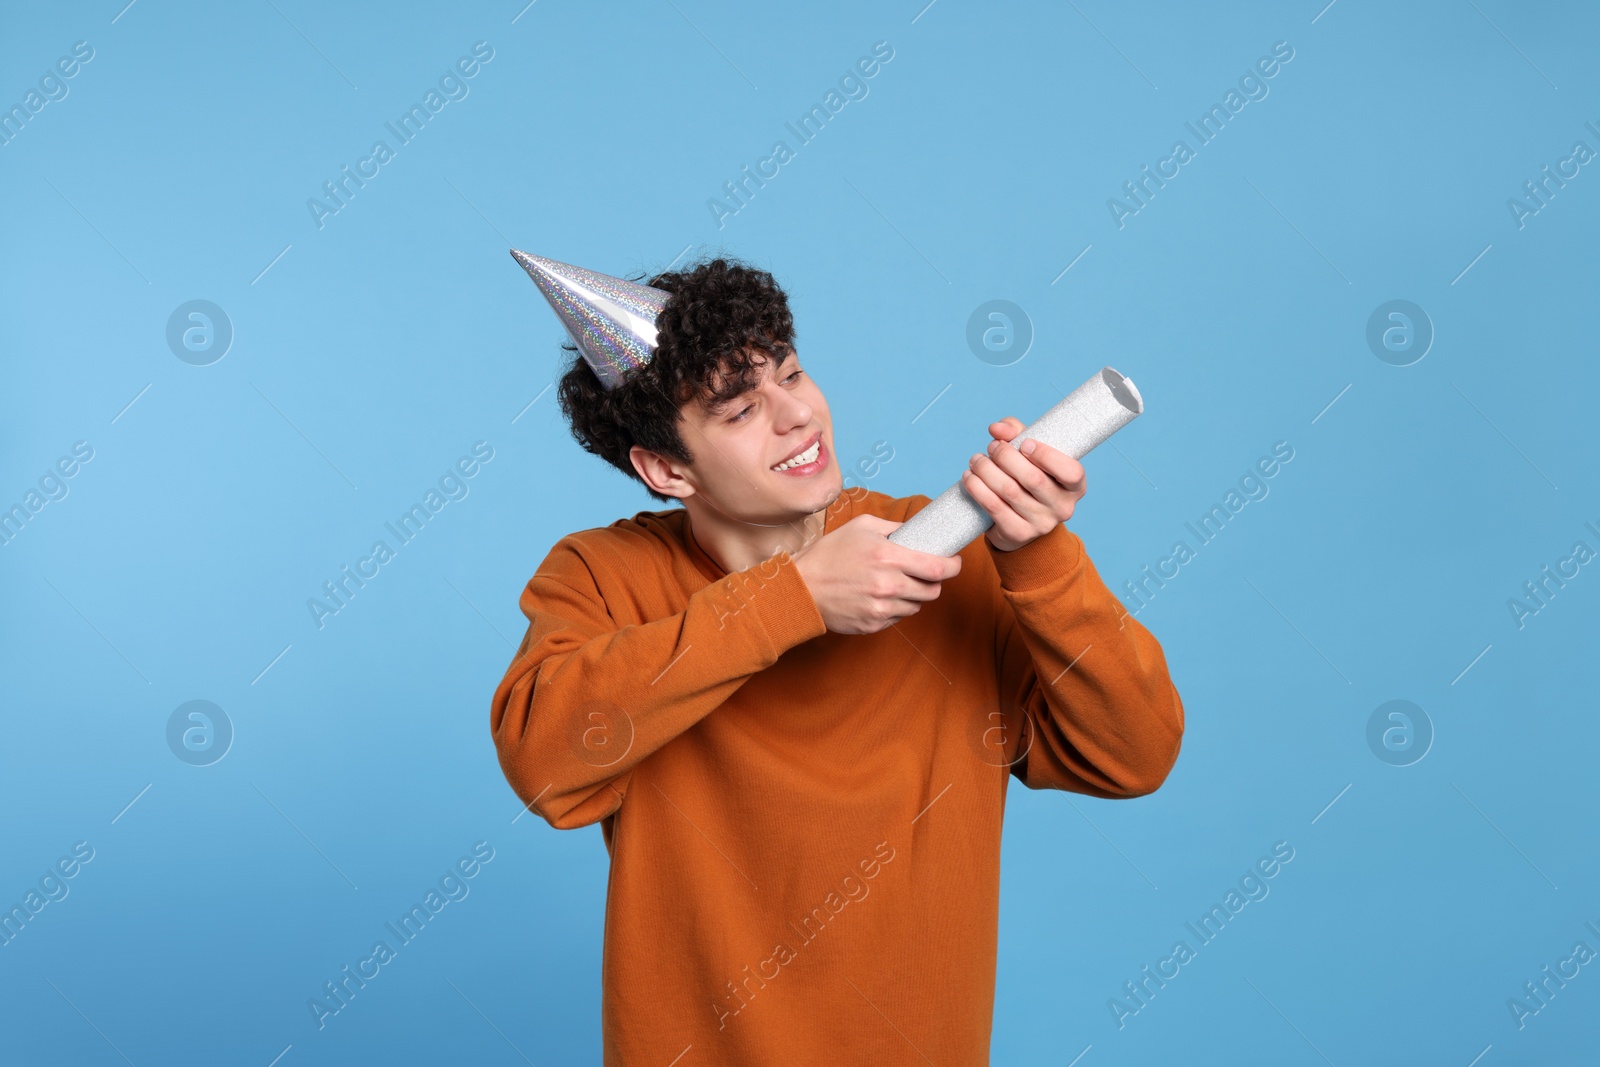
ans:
(808, 456)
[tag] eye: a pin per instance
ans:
(793, 376)
(742, 414)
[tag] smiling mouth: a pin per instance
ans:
(805, 456)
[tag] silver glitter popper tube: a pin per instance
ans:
(1090, 413)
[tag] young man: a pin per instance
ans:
(796, 735)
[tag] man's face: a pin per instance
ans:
(738, 446)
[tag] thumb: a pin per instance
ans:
(876, 525)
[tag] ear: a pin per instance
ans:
(663, 475)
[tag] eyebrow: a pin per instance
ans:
(716, 410)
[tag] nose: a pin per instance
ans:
(790, 411)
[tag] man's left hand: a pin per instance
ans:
(1027, 494)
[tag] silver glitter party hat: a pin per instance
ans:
(612, 321)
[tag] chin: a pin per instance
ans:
(816, 497)
(813, 496)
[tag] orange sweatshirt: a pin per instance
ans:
(804, 826)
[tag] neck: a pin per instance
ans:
(737, 545)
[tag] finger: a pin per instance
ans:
(913, 589)
(893, 594)
(925, 565)
(883, 612)
(1038, 484)
(897, 612)
(1021, 502)
(1006, 520)
(1006, 428)
(909, 604)
(1065, 470)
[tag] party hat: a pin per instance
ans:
(612, 321)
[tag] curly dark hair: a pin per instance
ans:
(723, 320)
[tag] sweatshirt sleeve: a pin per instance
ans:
(586, 700)
(1102, 716)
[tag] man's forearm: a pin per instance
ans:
(1095, 682)
(585, 702)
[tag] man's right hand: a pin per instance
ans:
(862, 582)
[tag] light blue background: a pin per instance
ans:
(377, 349)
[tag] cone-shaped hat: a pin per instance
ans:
(612, 321)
